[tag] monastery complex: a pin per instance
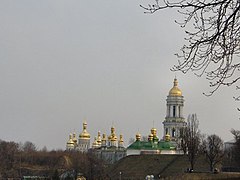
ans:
(111, 148)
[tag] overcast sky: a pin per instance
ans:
(106, 61)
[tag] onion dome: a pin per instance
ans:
(95, 143)
(74, 138)
(138, 137)
(121, 138)
(167, 137)
(154, 131)
(104, 139)
(99, 139)
(175, 91)
(70, 143)
(150, 137)
(84, 134)
(113, 135)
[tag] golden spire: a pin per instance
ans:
(84, 134)
(175, 91)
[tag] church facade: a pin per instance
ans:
(81, 144)
(110, 149)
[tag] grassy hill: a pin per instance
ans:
(139, 166)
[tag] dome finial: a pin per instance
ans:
(175, 91)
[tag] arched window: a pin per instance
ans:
(166, 130)
(174, 111)
(173, 132)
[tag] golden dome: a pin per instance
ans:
(99, 139)
(113, 135)
(121, 138)
(154, 131)
(150, 137)
(138, 137)
(84, 134)
(74, 138)
(95, 143)
(104, 137)
(167, 137)
(175, 91)
(70, 141)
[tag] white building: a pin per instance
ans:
(174, 119)
(83, 142)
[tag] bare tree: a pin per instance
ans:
(8, 160)
(214, 150)
(212, 45)
(183, 139)
(192, 138)
(29, 147)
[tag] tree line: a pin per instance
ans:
(18, 160)
(194, 144)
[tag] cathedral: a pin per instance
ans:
(111, 148)
(83, 142)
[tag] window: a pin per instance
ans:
(179, 110)
(173, 133)
(174, 111)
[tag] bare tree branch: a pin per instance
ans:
(213, 45)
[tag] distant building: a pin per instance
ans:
(111, 149)
(172, 124)
(229, 144)
(83, 142)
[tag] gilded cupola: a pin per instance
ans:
(138, 137)
(121, 138)
(70, 141)
(74, 138)
(150, 137)
(175, 91)
(84, 134)
(113, 134)
(99, 139)
(167, 137)
(154, 131)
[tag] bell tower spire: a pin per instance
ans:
(174, 119)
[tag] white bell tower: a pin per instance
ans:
(174, 119)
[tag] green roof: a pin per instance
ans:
(151, 145)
